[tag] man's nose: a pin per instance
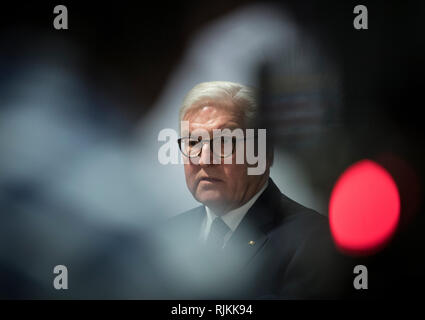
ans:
(207, 156)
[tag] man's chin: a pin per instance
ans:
(210, 198)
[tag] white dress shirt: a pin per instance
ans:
(232, 219)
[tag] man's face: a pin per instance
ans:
(222, 187)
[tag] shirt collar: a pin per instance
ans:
(234, 217)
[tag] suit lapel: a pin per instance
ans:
(252, 233)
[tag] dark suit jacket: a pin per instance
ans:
(280, 250)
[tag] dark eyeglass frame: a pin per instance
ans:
(211, 142)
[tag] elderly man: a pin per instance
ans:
(247, 239)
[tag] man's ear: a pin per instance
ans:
(270, 155)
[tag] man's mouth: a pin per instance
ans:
(209, 179)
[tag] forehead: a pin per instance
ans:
(208, 116)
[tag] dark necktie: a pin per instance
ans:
(218, 231)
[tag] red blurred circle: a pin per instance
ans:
(364, 208)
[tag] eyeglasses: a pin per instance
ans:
(223, 146)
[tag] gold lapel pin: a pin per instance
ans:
(251, 243)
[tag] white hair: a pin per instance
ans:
(222, 92)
